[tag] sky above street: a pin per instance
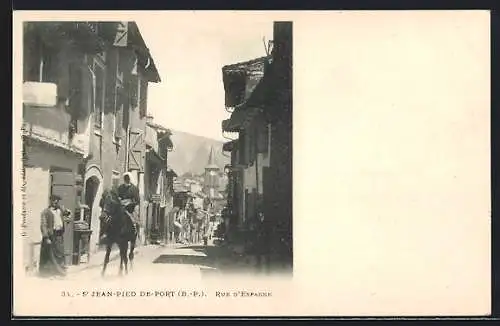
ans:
(189, 50)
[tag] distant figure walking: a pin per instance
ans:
(172, 219)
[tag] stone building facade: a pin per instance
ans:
(84, 114)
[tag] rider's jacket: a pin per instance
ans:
(129, 195)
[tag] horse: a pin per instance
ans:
(120, 230)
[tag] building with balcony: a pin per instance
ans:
(258, 93)
(158, 182)
(84, 118)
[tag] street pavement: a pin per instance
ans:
(162, 264)
(185, 272)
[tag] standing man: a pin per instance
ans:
(129, 197)
(52, 260)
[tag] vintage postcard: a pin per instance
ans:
(231, 163)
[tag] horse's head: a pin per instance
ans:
(111, 203)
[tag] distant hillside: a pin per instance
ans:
(190, 153)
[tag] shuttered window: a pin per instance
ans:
(253, 139)
(100, 80)
(118, 113)
(263, 138)
(134, 91)
(249, 147)
(31, 54)
(48, 65)
(234, 154)
(137, 150)
(75, 94)
(242, 148)
(143, 98)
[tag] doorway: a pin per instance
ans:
(62, 184)
(91, 187)
(93, 192)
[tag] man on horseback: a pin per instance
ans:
(120, 223)
(129, 197)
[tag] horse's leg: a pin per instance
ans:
(125, 258)
(123, 255)
(106, 257)
(131, 253)
(120, 249)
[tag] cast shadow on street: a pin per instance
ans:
(217, 261)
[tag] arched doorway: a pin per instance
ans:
(92, 195)
(91, 187)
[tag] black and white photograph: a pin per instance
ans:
(111, 185)
(226, 163)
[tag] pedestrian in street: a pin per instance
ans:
(172, 215)
(52, 260)
(204, 230)
(262, 243)
(178, 226)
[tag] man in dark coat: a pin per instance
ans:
(129, 196)
(52, 248)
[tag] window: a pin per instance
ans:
(48, 65)
(40, 61)
(119, 71)
(248, 148)
(75, 93)
(143, 97)
(242, 148)
(118, 114)
(119, 101)
(263, 138)
(99, 93)
(134, 91)
(252, 143)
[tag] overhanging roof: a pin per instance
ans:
(240, 79)
(244, 65)
(141, 48)
(258, 88)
